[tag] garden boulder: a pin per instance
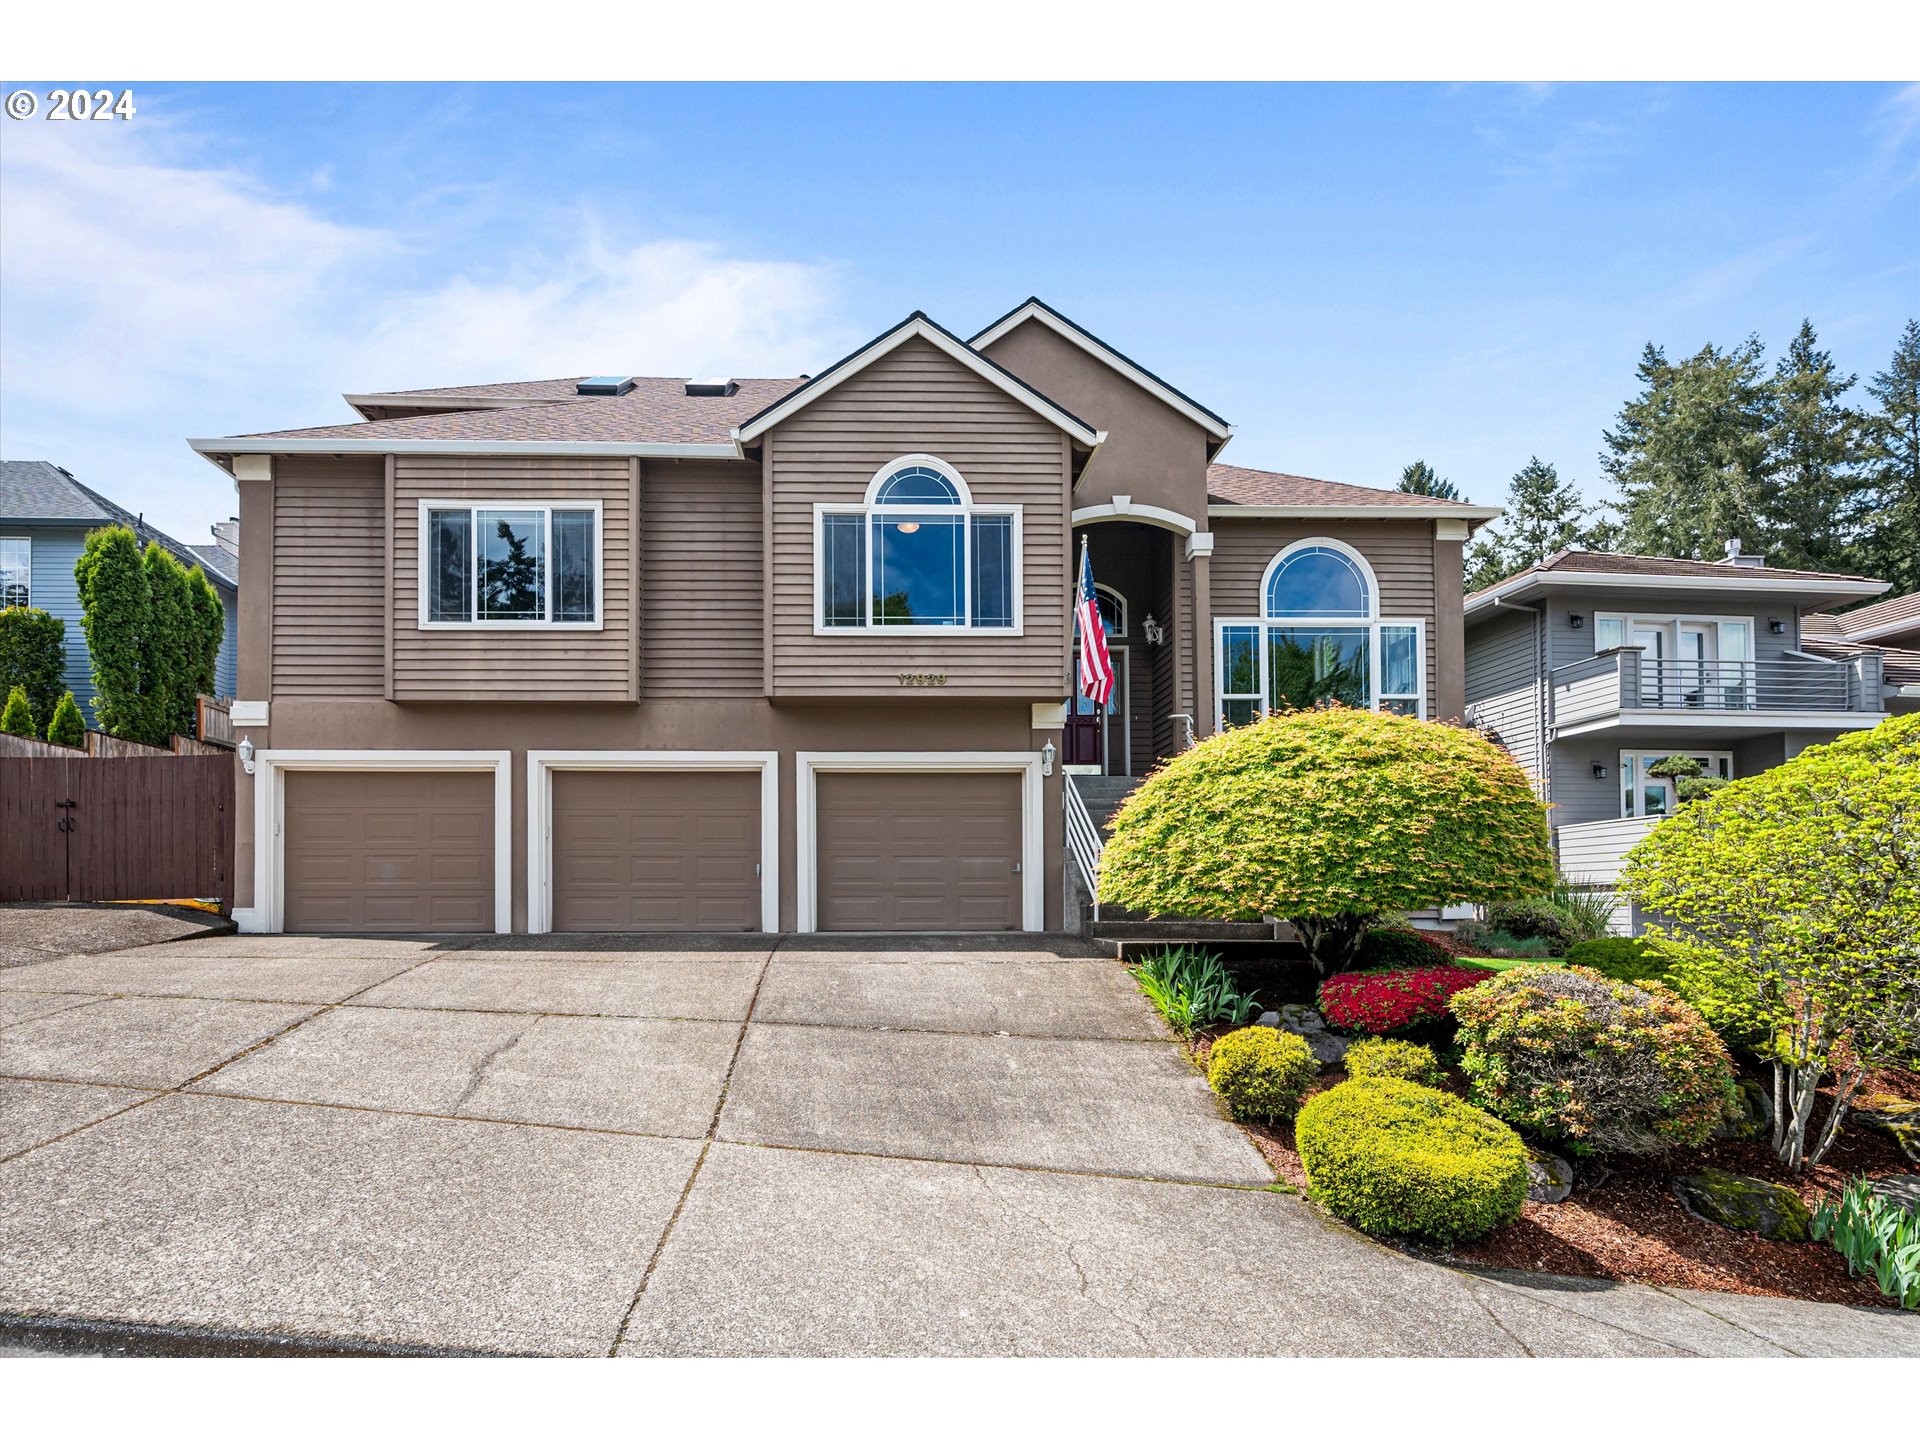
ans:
(1740, 1202)
(1304, 1021)
(1753, 1120)
(1899, 1119)
(1549, 1176)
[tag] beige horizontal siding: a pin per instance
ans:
(557, 664)
(329, 591)
(1400, 552)
(916, 399)
(701, 580)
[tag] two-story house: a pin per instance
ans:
(654, 654)
(45, 516)
(1592, 667)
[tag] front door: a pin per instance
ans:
(1097, 736)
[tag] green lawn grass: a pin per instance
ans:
(1492, 962)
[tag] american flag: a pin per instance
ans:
(1096, 665)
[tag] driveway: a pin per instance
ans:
(744, 1147)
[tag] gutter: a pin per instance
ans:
(1354, 512)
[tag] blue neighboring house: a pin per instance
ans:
(45, 515)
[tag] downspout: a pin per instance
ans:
(1539, 692)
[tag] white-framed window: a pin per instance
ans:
(1686, 661)
(1320, 638)
(917, 551)
(16, 571)
(508, 564)
(1113, 610)
(1642, 794)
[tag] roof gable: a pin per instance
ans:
(1037, 311)
(916, 326)
(37, 490)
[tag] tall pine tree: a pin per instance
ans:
(1690, 452)
(1817, 446)
(1544, 515)
(1420, 478)
(1893, 542)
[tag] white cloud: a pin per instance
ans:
(145, 297)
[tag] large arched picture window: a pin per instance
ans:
(918, 551)
(1320, 640)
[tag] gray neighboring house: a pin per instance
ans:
(45, 515)
(1890, 628)
(1590, 666)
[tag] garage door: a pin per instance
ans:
(388, 850)
(918, 851)
(642, 850)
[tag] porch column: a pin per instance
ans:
(1198, 551)
(1449, 659)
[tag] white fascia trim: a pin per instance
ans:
(918, 328)
(269, 805)
(1354, 512)
(1734, 580)
(1725, 720)
(346, 445)
(1124, 508)
(542, 763)
(1160, 391)
(808, 763)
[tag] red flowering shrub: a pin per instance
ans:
(1382, 1001)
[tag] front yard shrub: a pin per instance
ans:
(1192, 988)
(1792, 899)
(1261, 1073)
(1534, 918)
(1877, 1235)
(153, 630)
(66, 727)
(1595, 1065)
(1378, 1002)
(1395, 1158)
(1329, 819)
(1393, 1059)
(1388, 948)
(16, 716)
(1619, 958)
(33, 655)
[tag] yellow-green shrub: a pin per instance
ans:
(1393, 1060)
(1261, 1072)
(1395, 1158)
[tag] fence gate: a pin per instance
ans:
(89, 828)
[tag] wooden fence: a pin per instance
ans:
(78, 827)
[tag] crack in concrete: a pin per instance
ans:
(484, 1065)
(1729, 1323)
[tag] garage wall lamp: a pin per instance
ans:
(245, 751)
(1047, 752)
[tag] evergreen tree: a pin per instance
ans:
(16, 717)
(1419, 478)
(172, 667)
(1690, 452)
(115, 606)
(1892, 544)
(66, 727)
(1543, 516)
(1817, 444)
(33, 654)
(209, 629)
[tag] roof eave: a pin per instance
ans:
(342, 445)
(1218, 511)
(361, 403)
(1733, 580)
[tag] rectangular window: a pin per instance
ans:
(1309, 665)
(918, 575)
(1400, 669)
(1240, 700)
(1642, 794)
(511, 565)
(843, 546)
(993, 571)
(886, 566)
(1609, 633)
(16, 571)
(1270, 665)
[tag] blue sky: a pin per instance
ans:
(1353, 275)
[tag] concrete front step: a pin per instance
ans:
(1128, 937)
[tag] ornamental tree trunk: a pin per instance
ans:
(1333, 941)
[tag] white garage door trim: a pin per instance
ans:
(806, 803)
(542, 763)
(269, 812)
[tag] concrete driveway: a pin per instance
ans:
(742, 1148)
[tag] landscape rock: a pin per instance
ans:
(1899, 1119)
(1740, 1202)
(1902, 1190)
(1300, 1019)
(1304, 1021)
(1549, 1177)
(1755, 1116)
(1270, 1019)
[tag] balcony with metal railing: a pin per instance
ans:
(1627, 686)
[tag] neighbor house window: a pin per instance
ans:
(1319, 640)
(510, 564)
(16, 571)
(1643, 794)
(918, 551)
(1686, 661)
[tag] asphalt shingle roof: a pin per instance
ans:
(38, 490)
(1234, 485)
(1607, 562)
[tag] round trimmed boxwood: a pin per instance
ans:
(1261, 1072)
(1394, 1059)
(1618, 958)
(1395, 1158)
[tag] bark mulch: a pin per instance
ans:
(1628, 1225)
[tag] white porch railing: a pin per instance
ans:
(1083, 841)
(1592, 854)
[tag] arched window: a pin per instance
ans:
(1319, 640)
(1113, 609)
(918, 551)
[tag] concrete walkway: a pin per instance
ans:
(728, 1148)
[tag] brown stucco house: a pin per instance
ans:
(654, 654)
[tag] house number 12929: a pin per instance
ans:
(911, 679)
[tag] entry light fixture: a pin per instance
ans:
(245, 752)
(1578, 622)
(1047, 752)
(1599, 771)
(908, 527)
(1776, 627)
(1155, 632)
